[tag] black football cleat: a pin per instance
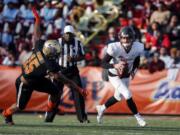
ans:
(49, 116)
(86, 121)
(8, 119)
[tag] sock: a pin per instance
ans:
(8, 112)
(110, 102)
(132, 106)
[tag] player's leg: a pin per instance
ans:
(101, 108)
(130, 102)
(111, 101)
(132, 106)
(47, 86)
(79, 100)
(52, 110)
(24, 93)
(7, 114)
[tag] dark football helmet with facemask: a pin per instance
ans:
(127, 37)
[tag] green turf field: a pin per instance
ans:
(68, 125)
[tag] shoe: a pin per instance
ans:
(87, 121)
(84, 121)
(99, 113)
(49, 116)
(8, 119)
(140, 121)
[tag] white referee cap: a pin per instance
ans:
(69, 29)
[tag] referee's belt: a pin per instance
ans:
(67, 70)
(114, 75)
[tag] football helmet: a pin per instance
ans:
(51, 48)
(126, 36)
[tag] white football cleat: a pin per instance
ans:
(100, 111)
(141, 122)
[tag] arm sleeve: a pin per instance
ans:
(39, 45)
(136, 63)
(37, 31)
(105, 62)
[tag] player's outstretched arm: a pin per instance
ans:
(37, 31)
(60, 77)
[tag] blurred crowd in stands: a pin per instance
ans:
(155, 23)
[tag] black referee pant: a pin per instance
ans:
(73, 74)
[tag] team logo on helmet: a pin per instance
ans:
(51, 48)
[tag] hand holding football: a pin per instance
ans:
(122, 68)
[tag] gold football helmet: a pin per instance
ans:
(51, 48)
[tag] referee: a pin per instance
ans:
(71, 52)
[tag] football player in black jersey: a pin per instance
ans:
(42, 63)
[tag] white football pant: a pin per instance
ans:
(121, 87)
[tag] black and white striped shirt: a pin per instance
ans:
(73, 50)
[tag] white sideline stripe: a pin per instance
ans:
(19, 93)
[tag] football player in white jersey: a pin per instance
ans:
(129, 50)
